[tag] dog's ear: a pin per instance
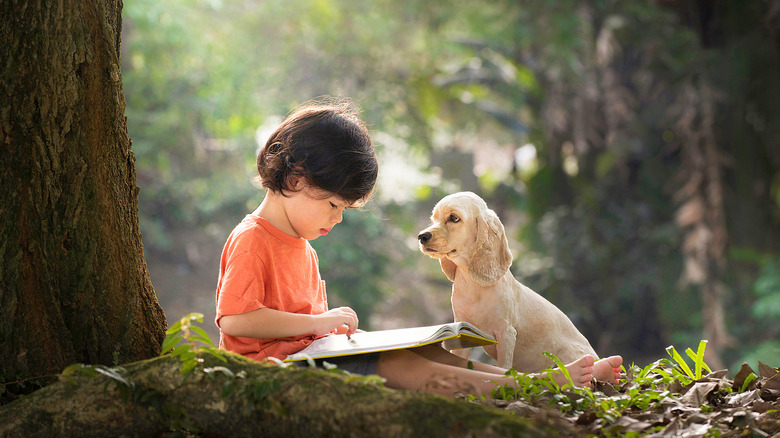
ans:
(449, 268)
(492, 257)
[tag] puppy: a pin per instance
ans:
(470, 243)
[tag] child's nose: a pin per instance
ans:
(338, 216)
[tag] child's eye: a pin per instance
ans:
(454, 219)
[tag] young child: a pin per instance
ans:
(271, 301)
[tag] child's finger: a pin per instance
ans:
(352, 323)
(351, 326)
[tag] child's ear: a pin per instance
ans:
(297, 180)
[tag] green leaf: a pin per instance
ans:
(195, 316)
(181, 349)
(751, 377)
(188, 366)
(175, 328)
(71, 369)
(698, 359)
(680, 361)
(214, 352)
(561, 368)
(200, 339)
(202, 333)
(78, 369)
(170, 341)
(188, 355)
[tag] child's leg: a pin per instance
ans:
(436, 353)
(405, 369)
(607, 369)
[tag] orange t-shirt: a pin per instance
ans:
(263, 267)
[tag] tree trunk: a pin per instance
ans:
(702, 213)
(73, 280)
(151, 398)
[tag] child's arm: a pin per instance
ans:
(270, 323)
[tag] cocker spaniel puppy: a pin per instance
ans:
(469, 241)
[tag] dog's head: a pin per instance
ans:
(464, 231)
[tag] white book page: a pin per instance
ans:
(336, 345)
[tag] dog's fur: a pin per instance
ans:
(469, 241)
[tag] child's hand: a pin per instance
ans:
(334, 318)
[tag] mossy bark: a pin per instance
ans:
(251, 399)
(73, 280)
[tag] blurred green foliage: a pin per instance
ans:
(592, 85)
(767, 290)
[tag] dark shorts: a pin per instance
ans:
(364, 364)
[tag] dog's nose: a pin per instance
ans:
(424, 237)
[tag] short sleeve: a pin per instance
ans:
(242, 287)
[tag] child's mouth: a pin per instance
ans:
(324, 231)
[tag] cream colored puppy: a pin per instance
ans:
(469, 241)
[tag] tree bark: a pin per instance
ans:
(251, 399)
(702, 213)
(74, 286)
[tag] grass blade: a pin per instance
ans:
(698, 359)
(680, 361)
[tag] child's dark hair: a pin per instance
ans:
(328, 145)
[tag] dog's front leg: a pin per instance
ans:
(506, 347)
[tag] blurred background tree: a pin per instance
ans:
(630, 148)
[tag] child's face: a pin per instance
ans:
(310, 215)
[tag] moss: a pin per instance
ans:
(279, 401)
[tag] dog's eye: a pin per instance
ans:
(454, 219)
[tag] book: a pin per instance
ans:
(452, 336)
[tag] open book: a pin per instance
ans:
(453, 335)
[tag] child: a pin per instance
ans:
(271, 301)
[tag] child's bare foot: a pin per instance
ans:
(584, 369)
(608, 369)
(580, 371)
